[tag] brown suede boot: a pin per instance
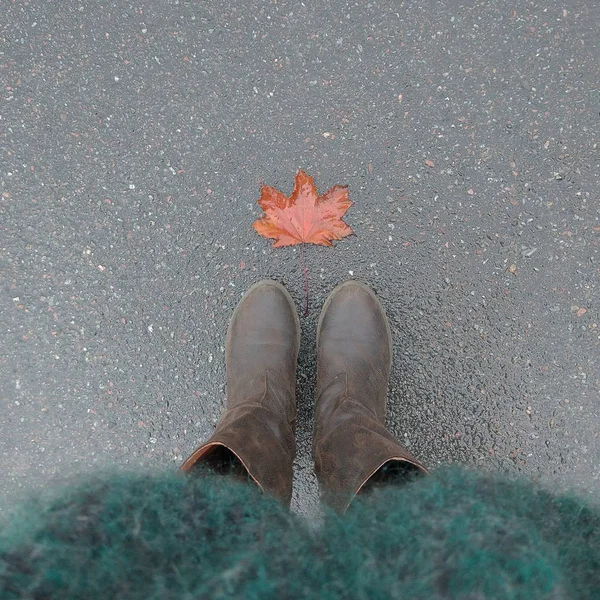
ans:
(353, 450)
(255, 436)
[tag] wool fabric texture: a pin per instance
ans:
(454, 534)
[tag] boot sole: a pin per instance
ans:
(287, 295)
(366, 288)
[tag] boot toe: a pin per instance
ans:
(353, 315)
(267, 315)
(262, 342)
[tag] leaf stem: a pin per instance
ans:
(305, 270)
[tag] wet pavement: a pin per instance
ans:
(134, 139)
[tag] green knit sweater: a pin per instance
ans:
(455, 534)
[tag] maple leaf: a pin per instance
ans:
(304, 217)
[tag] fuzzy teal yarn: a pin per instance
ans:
(455, 534)
(461, 534)
(150, 537)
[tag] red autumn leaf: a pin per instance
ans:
(304, 217)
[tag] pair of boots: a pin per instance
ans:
(255, 437)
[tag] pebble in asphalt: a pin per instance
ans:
(134, 138)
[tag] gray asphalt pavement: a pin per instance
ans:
(134, 138)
